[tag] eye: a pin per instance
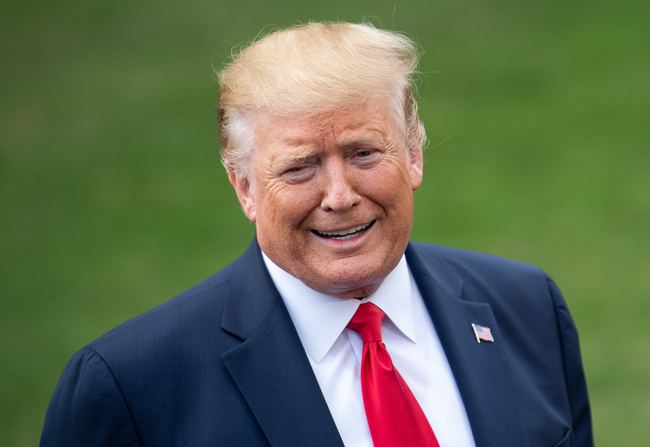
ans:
(366, 157)
(298, 174)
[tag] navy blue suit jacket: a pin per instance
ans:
(222, 364)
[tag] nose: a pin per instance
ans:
(340, 187)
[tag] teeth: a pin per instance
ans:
(344, 234)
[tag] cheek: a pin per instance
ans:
(285, 208)
(391, 190)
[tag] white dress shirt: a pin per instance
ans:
(410, 338)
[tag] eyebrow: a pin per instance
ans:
(301, 152)
(286, 161)
(361, 138)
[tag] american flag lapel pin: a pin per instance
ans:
(482, 333)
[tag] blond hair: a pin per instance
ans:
(311, 69)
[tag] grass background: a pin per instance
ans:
(112, 198)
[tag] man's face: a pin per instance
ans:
(332, 197)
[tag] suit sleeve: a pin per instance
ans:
(573, 371)
(88, 408)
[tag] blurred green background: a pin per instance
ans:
(113, 200)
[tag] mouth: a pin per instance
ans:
(345, 234)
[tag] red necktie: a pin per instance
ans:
(394, 416)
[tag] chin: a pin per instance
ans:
(350, 282)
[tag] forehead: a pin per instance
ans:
(369, 122)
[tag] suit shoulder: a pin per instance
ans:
(483, 277)
(192, 310)
(461, 259)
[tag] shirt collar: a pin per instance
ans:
(320, 319)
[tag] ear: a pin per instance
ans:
(244, 191)
(416, 165)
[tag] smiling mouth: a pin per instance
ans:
(344, 234)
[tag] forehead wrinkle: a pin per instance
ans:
(366, 136)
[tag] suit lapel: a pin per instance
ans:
(270, 366)
(482, 373)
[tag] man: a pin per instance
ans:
(323, 145)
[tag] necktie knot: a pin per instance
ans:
(367, 322)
